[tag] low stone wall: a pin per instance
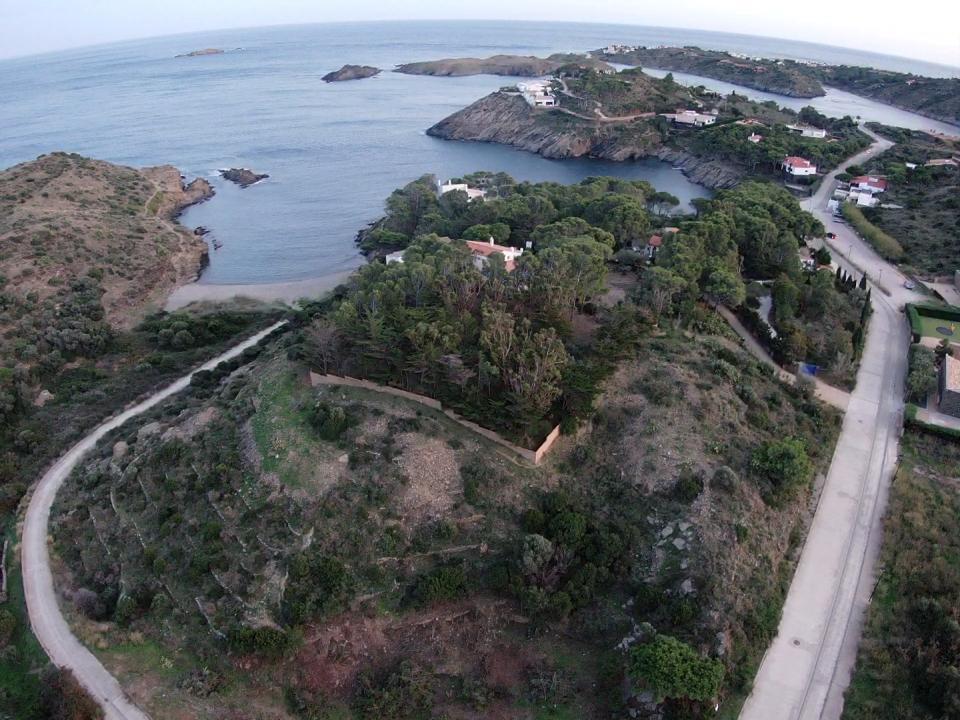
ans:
(534, 456)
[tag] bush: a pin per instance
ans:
(672, 669)
(266, 640)
(448, 582)
(317, 585)
(403, 693)
(784, 464)
(63, 698)
(688, 487)
(330, 421)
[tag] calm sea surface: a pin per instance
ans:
(333, 151)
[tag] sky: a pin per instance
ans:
(923, 29)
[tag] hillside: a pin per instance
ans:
(618, 117)
(388, 545)
(780, 77)
(65, 217)
(925, 219)
(937, 98)
(512, 65)
(275, 540)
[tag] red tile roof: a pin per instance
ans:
(795, 161)
(870, 180)
(655, 241)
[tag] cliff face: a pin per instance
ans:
(509, 120)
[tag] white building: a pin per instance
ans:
(808, 131)
(481, 251)
(471, 193)
(798, 166)
(754, 138)
(691, 117)
(868, 184)
(538, 93)
(395, 257)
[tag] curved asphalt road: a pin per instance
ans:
(808, 666)
(48, 623)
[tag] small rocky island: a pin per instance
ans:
(201, 53)
(242, 176)
(351, 72)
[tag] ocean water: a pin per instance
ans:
(333, 152)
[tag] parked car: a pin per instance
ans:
(909, 284)
(832, 236)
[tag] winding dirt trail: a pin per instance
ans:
(49, 625)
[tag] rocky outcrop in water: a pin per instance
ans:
(507, 119)
(242, 176)
(201, 53)
(351, 72)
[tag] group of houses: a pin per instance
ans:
(863, 191)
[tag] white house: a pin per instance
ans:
(538, 93)
(691, 117)
(754, 138)
(395, 257)
(471, 193)
(868, 184)
(808, 131)
(798, 166)
(481, 251)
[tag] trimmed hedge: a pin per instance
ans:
(911, 420)
(887, 246)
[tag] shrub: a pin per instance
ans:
(405, 692)
(330, 421)
(783, 463)
(688, 487)
(63, 698)
(316, 585)
(447, 582)
(266, 640)
(673, 669)
(724, 478)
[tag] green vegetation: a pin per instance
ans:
(927, 221)
(911, 646)
(927, 319)
(675, 670)
(887, 246)
(921, 374)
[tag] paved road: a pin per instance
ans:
(807, 668)
(48, 623)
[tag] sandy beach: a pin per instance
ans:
(286, 292)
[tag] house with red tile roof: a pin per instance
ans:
(798, 166)
(481, 251)
(868, 183)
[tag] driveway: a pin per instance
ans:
(808, 666)
(49, 625)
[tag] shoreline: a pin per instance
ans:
(288, 292)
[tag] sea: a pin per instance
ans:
(334, 151)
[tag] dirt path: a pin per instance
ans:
(49, 625)
(809, 664)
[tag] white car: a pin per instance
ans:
(909, 284)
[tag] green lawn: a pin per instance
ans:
(929, 325)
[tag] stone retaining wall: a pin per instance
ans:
(533, 456)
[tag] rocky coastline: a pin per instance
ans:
(242, 176)
(508, 120)
(351, 72)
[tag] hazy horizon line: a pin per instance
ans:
(138, 38)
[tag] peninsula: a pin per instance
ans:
(510, 65)
(351, 72)
(936, 98)
(716, 141)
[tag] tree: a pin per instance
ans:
(724, 286)
(659, 287)
(786, 297)
(674, 670)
